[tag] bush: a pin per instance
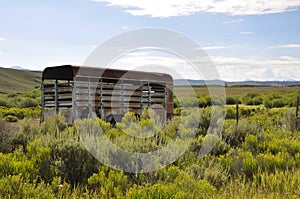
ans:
(251, 143)
(184, 186)
(230, 113)
(27, 103)
(188, 101)
(230, 100)
(4, 102)
(274, 100)
(278, 103)
(216, 175)
(235, 135)
(246, 112)
(269, 162)
(248, 98)
(108, 183)
(73, 162)
(54, 125)
(219, 147)
(258, 100)
(5, 134)
(13, 112)
(177, 111)
(250, 166)
(11, 118)
(290, 121)
(202, 101)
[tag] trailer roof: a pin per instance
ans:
(68, 72)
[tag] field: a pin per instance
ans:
(238, 91)
(17, 81)
(259, 157)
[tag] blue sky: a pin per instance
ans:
(251, 39)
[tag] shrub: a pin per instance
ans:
(176, 102)
(54, 125)
(202, 101)
(274, 100)
(250, 166)
(109, 183)
(73, 162)
(258, 100)
(248, 98)
(4, 102)
(290, 121)
(216, 175)
(156, 191)
(11, 118)
(177, 111)
(188, 101)
(235, 134)
(230, 113)
(205, 118)
(208, 100)
(269, 162)
(216, 144)
(283, 182)
(27, 103)
(251, 143)
(278, 103)
(184, 186)
(246, 112)
(230, 100)
(218, 101)
(5, 133)
(14, 112)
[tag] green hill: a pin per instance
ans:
(18, 81)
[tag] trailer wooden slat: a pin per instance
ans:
(77, 91)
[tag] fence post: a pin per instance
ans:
(297, 113)
(237, 112)
(56, 96)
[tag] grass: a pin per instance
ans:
(236, 91)
(280, 184)
(18, 81)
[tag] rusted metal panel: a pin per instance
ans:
(67, 72)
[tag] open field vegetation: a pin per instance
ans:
(257, 158)
(18, 81)
(239, 90)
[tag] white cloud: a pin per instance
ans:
(2, 39)
(287, 46)
(288, 58)
(229, 68)
(124, 28)
(214, 47)
(1, 52)
(246, 33)
(156, 62)
(233, 21)
(236, 69)
(169, 8)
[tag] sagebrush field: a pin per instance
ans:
(257, 158)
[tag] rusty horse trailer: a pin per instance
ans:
(78, 92)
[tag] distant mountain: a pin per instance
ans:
(18, 81)
(264, 83)
(17, 68)
(183, 82)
